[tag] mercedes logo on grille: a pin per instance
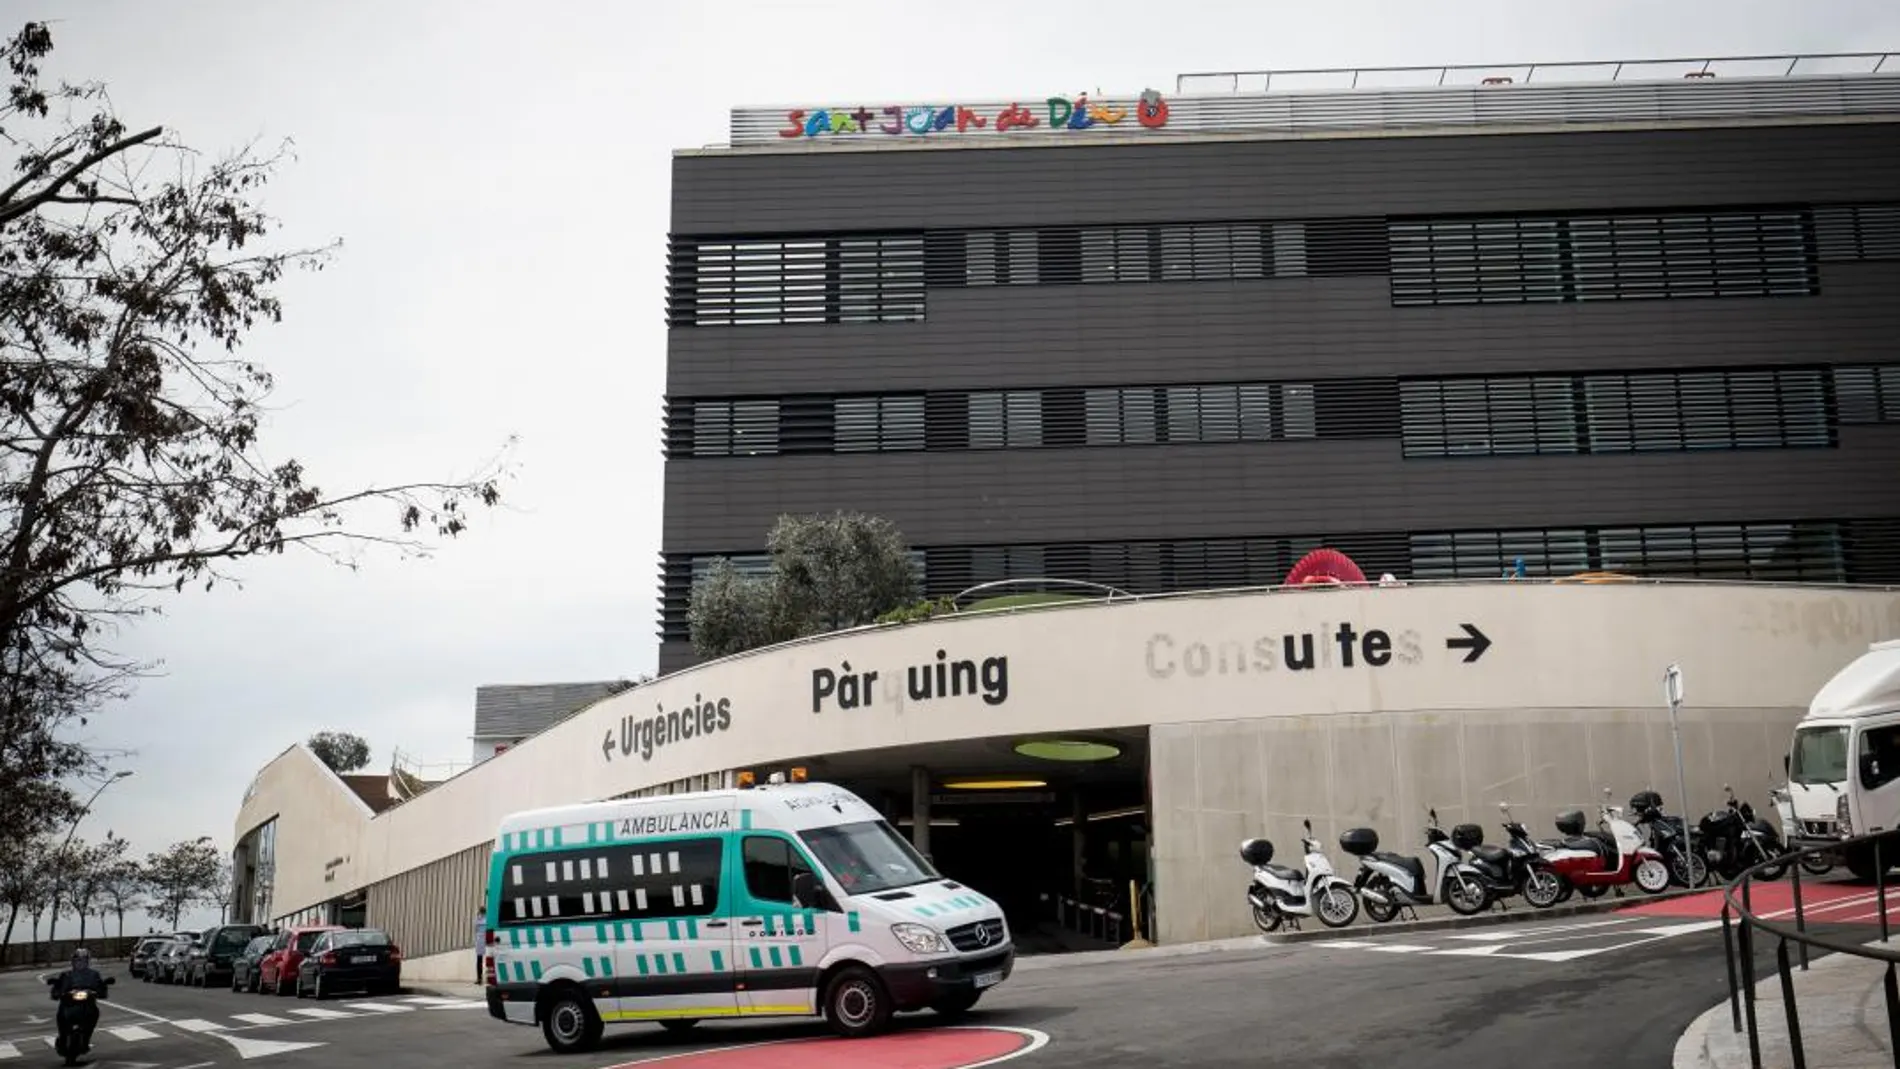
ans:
(982, 935)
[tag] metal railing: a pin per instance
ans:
(1599, 70)
(1740, 923)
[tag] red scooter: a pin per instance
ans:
(1611, 857)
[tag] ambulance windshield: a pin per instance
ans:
(868, 857)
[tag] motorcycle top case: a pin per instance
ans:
(1256, 852)
(1645, 800)
(1467, 836)
(1359, 842)
(1570, 822)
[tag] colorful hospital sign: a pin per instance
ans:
(1057, 113)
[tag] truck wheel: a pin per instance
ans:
(1860, 862)
(569, 1023)
(856, 1003)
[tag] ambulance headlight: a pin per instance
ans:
(920, 940)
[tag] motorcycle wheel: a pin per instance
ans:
(1774, 871)
(1337, 906)
(1467, 897)
(1382, 912)
(1267, 920)
(1816, 864)
(1652, 876)
(1688, 868)
(1542, 888)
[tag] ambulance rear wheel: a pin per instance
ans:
(856, 1003)
(569, 1023)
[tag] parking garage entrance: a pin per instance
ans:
(1056, 830)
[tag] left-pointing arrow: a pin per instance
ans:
(1474, 643)
(607, 746)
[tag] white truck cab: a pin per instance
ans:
(773, 901)
(1844, 764)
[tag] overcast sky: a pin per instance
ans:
(498, 174)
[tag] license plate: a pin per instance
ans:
(363, 959)
(988, 979)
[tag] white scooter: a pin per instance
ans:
(1391, 883)
(1281, 895)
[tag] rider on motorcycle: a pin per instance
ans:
(80, 977)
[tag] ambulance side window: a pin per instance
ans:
(770, 865)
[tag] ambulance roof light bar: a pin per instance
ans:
(747, 779)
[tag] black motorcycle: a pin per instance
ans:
(1533, 876)
(1666, 835)
(1731, 839)
(78, 1015)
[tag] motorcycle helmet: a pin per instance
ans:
(1645, 800)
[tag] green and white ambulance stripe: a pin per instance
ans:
(934, 909)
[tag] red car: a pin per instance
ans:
(277, 970)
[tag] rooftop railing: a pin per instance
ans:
(1822, 64)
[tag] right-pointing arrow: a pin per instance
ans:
(1474, 643)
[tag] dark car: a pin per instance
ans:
(209, 962)
(356, 958)
(143, 954)
(167, 966)
(244, 970)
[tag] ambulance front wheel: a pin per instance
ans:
(569, 1023)
(856, 1003)
(956, 1004)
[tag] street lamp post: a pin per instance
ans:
(59, 856)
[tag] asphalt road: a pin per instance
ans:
(1571, 992)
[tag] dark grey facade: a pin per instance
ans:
(1181, 365)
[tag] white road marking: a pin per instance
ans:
(321, 1014)
(132, 1033)
(260, 1018)
(260, 1048)
(437, 1000)
(1473, 952)
(378, 1007)
(194, 1024)
(8, 1050)
(1360, 944)
(115, 1004)
(1398, 948)
(1510, 932)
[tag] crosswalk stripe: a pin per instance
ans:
(132, 1033)
(8, 1050)
(194, 1024)
(434, 1000)
(320, 1014)
(260, 1018)
(1398, 948)
(378, 1007)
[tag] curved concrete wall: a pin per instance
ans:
(1386, 714)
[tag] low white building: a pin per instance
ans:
(1048, 751)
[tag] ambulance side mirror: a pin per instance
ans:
(808, 893)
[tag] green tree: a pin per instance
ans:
(342, 751)
(23, 869)
(181, 876)
(829, 572)
(121, 891)
(132, 459)
(83, 875)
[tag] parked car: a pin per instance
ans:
(244, 966)
(143, 954)
(277, 971)
(209, 963)
(362, 959)
(167, 964)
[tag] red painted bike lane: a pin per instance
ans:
(1822, 902)
(932, 1048)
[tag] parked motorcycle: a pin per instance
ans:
(1611, 857)
(1731, 839)
(76, 1018)
(1389, 883)
(1281, 895)
(1687, 866)
(1530, 874)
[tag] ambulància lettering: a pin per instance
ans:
(670, 823)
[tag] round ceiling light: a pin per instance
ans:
(993, 784)
(1068, 750)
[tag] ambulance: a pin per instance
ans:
(778, 900)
